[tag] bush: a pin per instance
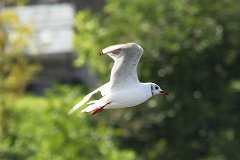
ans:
(191, 49)
(42, 129)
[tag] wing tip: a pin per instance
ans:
(71, 111)
(101, 53)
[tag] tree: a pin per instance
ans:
(35, 127)
(44, 130)
(191, 48)
(15, 69)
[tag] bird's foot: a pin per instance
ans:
(96, 110)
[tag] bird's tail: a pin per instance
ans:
(90, 108)
(96, 104)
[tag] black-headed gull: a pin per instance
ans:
(124, 89)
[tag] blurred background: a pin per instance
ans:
(49, 60)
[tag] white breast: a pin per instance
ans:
(128, 97)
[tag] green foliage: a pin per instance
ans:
(192, 50)
(42, 129)
(16, 71)
(15, 2)
(39, 127)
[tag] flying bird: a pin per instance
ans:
(124, 88)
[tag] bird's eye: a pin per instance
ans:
(156, 87)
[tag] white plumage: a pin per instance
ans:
(124, 89)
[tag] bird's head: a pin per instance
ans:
(155, 89)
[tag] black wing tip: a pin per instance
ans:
(100, 53)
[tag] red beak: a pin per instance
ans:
(164, 93)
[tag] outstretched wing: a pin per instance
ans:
(103, 89)
(126, 57)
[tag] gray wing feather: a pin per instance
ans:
(126, 57)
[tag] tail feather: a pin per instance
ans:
(79, 104)
(89, 108)
(103, 89)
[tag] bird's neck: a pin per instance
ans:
(148, 86)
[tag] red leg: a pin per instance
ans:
(96, 110)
